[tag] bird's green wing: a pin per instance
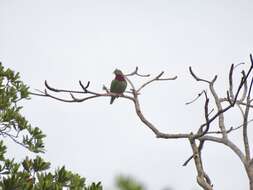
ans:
(118, 86)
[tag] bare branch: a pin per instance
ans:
(245, 89)
(152, 127)
(135, 72)
(84, 87)
(61, 90)
(218, 103)
(228, 143)
(106, 89)
(14, 138)
(157, 78)
(251, 162)
(202, 178)
(131, 84)
(219, 108)
(76, 100)
(231, 83)
(237, 102)
(199, 94)
(231, 129)
(200, 79)
(200, 147)
(237, 65)
(202, 132)
(217, 100)
(245, 125)
(133, 98)
(188, 160)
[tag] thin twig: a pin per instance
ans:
(84, 87)
(231, 129)
(237, 65)
(199, 94)
(231, 83)
(13, 138)
(244, 90)
(200, 79)
(202, 132)
(237, 102)
(135, 72)
(157, 78)
(200, 147)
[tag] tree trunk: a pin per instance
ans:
(251, 179)
(202, 178)
(250, 175)
(251, 184)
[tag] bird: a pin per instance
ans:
(118, 84)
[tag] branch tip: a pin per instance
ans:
(158, 76)
(84, 87)
(215, 78)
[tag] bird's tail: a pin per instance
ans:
(112, 99)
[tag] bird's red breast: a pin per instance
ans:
(120, 77)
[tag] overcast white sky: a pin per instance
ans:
(66, 41)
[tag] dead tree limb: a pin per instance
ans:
(204, 132)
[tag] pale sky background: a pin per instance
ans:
(66, 41)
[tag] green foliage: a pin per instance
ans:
(30, 174)
(12, 122)
(128, 183)
(94, 186)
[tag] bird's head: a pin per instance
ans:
(118, 72)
